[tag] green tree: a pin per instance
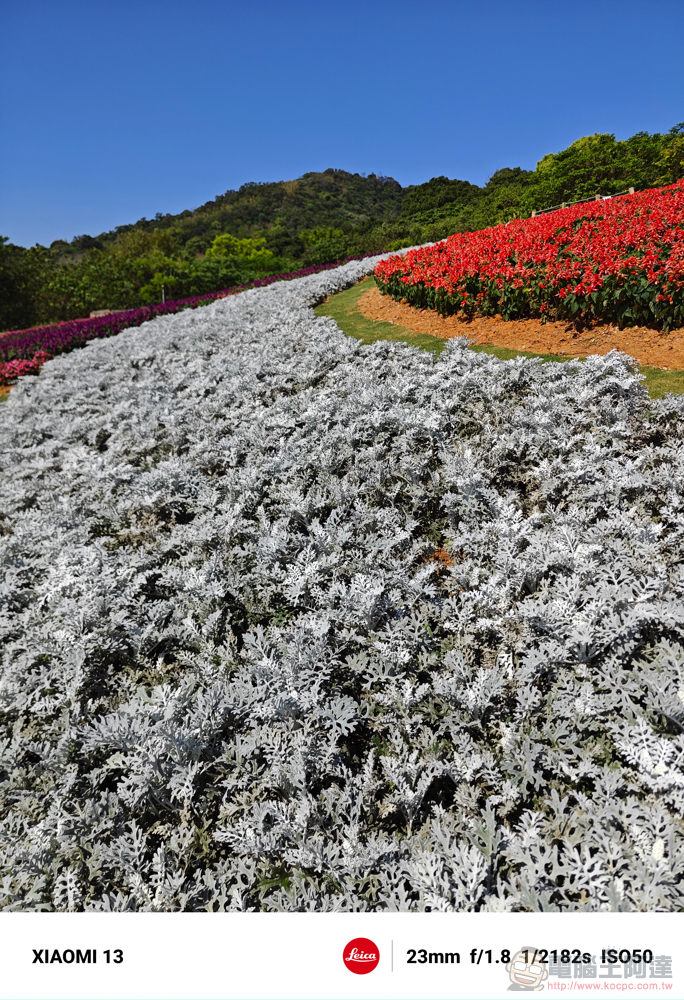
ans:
(323, 244)
(252, 251)
(671, 162)
(24, 276)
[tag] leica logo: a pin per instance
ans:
(361, 956)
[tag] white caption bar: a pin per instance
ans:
(302, 956)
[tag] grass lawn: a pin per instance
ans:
(343, 308)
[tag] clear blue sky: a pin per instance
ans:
(112, 110)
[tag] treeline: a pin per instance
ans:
(320, 217)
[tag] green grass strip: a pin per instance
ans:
(344, 309)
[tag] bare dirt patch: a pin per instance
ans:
(650, 347)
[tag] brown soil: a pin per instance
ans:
(650, 347)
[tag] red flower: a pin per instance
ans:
(628, 249)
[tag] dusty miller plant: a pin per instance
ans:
(293, 623)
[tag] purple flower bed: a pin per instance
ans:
(62, 337)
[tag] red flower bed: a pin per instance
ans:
(11, 370)
(619, 260)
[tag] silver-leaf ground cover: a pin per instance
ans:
(234, 676)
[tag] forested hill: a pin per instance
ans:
(333, 199)
(319, 217)
(336, 199)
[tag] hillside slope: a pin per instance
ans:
(595, 164)
(314, 219)
(332, 199)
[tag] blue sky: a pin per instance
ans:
(111, 111)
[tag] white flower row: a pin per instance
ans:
(235, 675)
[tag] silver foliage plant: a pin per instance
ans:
(294, 623)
